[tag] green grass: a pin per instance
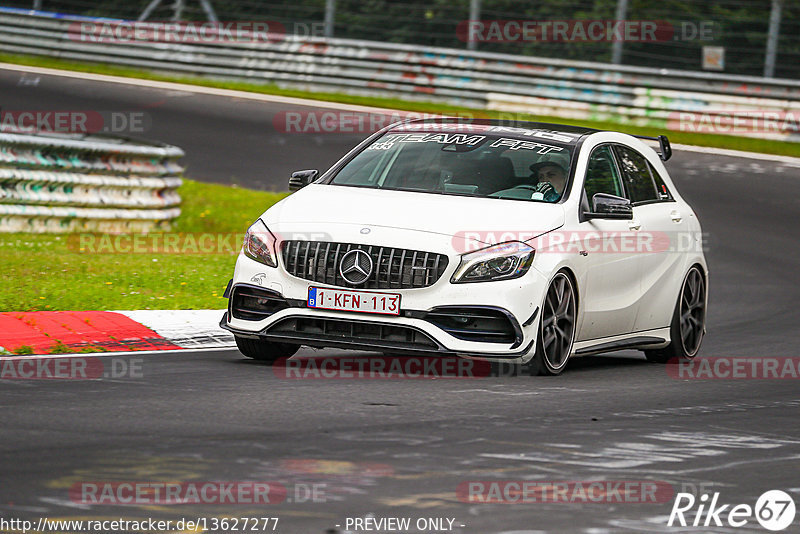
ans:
(60, 348)
(709, 140)
(50, 272)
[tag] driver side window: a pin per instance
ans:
(601, 174)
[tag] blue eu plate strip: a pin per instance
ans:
(312, 297)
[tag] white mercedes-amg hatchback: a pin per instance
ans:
(522, 242)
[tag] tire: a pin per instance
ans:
(688, 321)
(556, 327)
(265, 351)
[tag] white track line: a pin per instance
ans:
(199, 89)
(107, 354)
(789, 160)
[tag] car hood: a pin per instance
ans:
(328, 210)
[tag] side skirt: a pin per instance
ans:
(650, 339)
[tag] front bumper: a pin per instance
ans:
(353, 342)
(422, 328)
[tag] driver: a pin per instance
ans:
(551, 178)
(547, 181)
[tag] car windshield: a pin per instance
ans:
(482, 164)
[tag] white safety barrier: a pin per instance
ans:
(662, 98)
(74, 183)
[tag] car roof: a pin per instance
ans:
(509, 128)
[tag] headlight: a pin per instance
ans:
(259, 244)
(498, 262)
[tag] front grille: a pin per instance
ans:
(393, 268)
(355, 332)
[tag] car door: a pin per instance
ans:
(660, 225)
(610, 287)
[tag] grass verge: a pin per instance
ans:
(51, 272)
(710, 140)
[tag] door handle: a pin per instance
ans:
(676, 216)
(634, 225)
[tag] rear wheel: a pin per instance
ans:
(265, 351)
(556, 328)
(688, 321)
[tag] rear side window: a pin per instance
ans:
(601, 174)
(661, 187)
(636, 175)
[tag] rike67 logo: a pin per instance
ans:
(774, 510)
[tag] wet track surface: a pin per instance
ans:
(402, 447)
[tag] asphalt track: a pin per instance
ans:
(400, 448)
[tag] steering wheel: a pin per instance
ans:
(541, 187)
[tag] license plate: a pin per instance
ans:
(359, 301)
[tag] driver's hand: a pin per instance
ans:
(546, 188)
(548, 191)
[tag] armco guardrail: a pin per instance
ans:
(647, 96)
(69, 182)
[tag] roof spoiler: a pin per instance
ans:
(663, 143)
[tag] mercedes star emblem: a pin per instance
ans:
(356, 266)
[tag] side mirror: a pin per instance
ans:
(300, 179)
(605, 206)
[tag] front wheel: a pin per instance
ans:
(556, 328)
(688, 321)
(265, 351)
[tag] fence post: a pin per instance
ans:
(209, 9)
(177, 10)
(330, 17)
(474, 14)
(616, 46)
(772, 38)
